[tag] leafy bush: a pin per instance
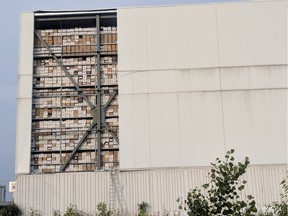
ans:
(281, 208)
(102, 209)
(265, 214)
(11, 210)
(56, 213)
(223, 191)
(33, 212)
(143, 209)
(73, 211)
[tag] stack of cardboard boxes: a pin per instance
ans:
(60, 115)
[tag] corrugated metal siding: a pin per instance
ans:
(160, 188)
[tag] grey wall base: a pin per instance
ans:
(160, 188)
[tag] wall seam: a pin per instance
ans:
(220, 79)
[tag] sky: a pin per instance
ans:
(9, 37)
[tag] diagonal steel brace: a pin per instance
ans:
(78, 146)
(83, 95)
(111, 131)
(112, 97)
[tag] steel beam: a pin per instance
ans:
(111, 131)
(110, 99)
(98, 99)
(78, 146)
(41, 19)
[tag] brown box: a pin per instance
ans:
(114, 38)
(75, 113)
(41, 113)
(102, 38)
(37, 112)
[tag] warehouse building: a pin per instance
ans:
(132, 104)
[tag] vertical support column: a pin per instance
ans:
(98, 101)
(61, 98)
(24, 101)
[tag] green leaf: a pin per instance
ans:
(229, 204)
(243, 204)
(241, 187)
(250, 197)
(254, 209)
(205, 186)
(252, 203)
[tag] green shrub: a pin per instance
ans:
(33, 212)
(102, 210)
(56, 213)
(143, 209)
(11, 210)
(281, 208)
(265, 214)
(223, 191)
(73, 211)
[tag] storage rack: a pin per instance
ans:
(75, 93)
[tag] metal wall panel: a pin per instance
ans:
(252, 33)
(25, 86)
(160, 188)
(197, 104)
(215, 110)
(23, 136)
(256, 125)
(191, 121)
(260, 77)
(126, 120)
(26, 43)
(24, 104)
(125, 36)
(176, 39)
(138, 39)
(141, 131)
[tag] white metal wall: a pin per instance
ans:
(160, 188)
(194, 81)
(24, 102)
(197, 80)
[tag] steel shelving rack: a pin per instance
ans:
(75, 93)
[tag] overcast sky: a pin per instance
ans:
(9, 38)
